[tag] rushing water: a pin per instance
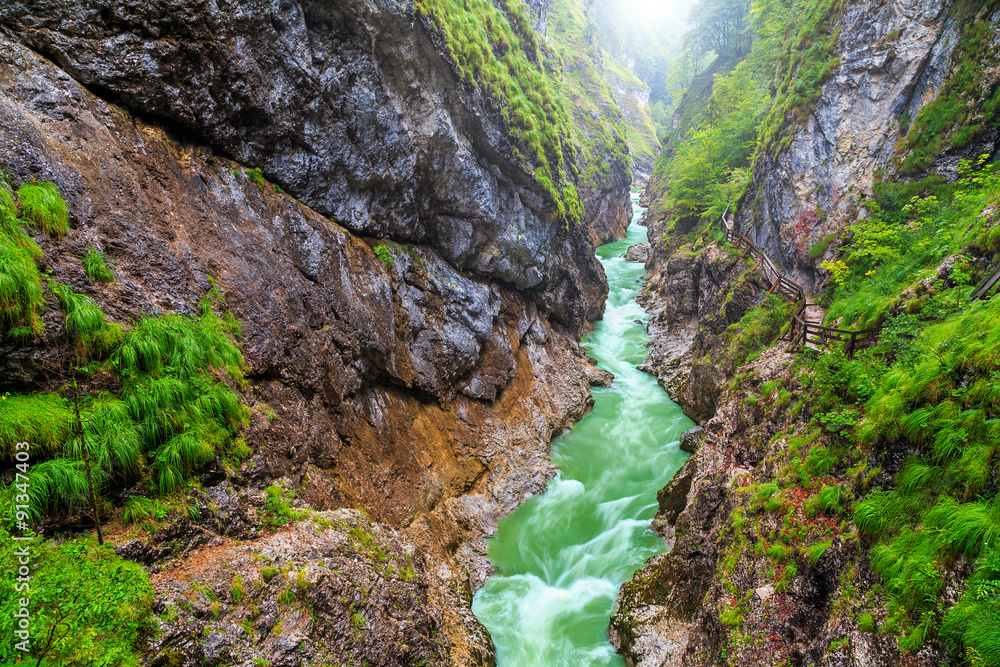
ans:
(562, 556)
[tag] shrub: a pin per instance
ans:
(256, 177)
(88, 605)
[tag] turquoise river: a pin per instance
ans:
(563, 555)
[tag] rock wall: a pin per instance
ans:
(423, 389)
(349, 108)
(681, 607)
(893, 59)
(632, 97)
(602, 152)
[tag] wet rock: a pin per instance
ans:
(638, 253)
(335, 587)
(673, 498)
(350, 109)
(691, 439)
(598, 377)
(892, 61)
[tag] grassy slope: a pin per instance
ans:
(598, 128)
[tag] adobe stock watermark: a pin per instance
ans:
(22, 554)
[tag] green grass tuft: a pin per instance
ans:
(42, 420)
(96, 267)
(85, 323)
(43, 206)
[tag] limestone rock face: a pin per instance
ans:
(893, 58)
(348, 107)
(312, 591)
(421, 384)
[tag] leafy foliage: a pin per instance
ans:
(384, 255)
(96, 606)
(902, 243)
(719, 26)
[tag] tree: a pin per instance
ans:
(719, 26)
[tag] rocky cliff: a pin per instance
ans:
(599, 130)
(763, 567)
(420, 384)
(892, 61)
(632, 96)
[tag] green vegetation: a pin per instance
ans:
(21, 295)
(384, 255)
(757, 330)
(96, 267)
(954, 118)
(598, 131)
(495, 49)
(798, 38)
(237, 589)
(903, 241)
(942, 506)
(43, 206)
(256, 177)
(92, 335)
(88, 606)
(929, 388)
(40, 419)
(173, 412)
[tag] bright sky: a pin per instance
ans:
(656, 10)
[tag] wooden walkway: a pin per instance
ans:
(805, 329)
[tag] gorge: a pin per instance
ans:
(339, 321)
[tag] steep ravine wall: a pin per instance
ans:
(681, 607)
(893, 59)
(425, 388)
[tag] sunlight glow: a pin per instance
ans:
(656, 11)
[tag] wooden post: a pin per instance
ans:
(86, 463)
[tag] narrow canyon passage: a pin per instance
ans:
(562, 556)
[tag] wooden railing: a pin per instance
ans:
(776, 278)
(984, 288)
(800, 331)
